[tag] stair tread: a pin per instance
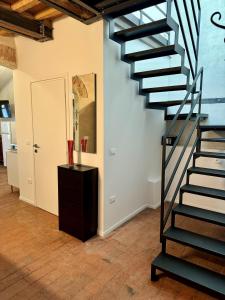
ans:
(200, 214)
(207, 171)
(141, 31)
(203, 191)
(210, 154)
(212, 127)
(192, 273)
(160, 72)
(213, 140)
(167, 103)
(195, 240)
(128, 7)
(165, 89)
(152, 53)
(184, 116)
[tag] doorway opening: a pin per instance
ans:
(8, 140)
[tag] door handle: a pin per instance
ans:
(36, 146)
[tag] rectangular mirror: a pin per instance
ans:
(84, 113)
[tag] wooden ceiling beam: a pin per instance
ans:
(106, 3)
(5, 5)
(6, 33)
(23, 5)
(47, 14)
(86, 6)
(8, 6)
(16, 23)
(72, 9)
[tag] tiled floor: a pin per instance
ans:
(39, 262)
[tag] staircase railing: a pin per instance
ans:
(195, 93)
(166, 157)
(193, 20)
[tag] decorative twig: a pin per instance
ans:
(219, 18)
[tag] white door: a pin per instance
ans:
(49, 131)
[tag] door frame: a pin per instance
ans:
(65, 77)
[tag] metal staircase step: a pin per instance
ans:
(213, 140)
(160, 72)
(141, 31)
(165, 104)
(128, 6)
(209, 154)
(164, 89)
(184, 117)
(206, 171)
(212, 127)
(200, 214)
(193, 274)
(194, 240)
(203, 191)
(149, 54)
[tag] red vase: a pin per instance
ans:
(70, 152)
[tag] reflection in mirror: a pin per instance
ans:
(84, 113)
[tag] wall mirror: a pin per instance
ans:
(84, 113)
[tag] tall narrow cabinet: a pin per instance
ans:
(78, 200)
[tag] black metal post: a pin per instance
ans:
(163, 189)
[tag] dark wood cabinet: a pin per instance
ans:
(78, 200)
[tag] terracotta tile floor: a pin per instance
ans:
(39, 262)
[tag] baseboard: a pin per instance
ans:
(155, 206)
(122, 221)
(101, 233)
(24, 199)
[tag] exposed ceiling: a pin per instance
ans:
(33, 18)
(33, 9)
(27, 16)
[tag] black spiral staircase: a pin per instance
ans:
(192, 136)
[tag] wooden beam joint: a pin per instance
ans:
(74, 10)
(16, 23)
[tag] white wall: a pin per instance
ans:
(76, 49)
(212, 54)
(212, 58)
(134, 133)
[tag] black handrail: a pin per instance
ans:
(195, 44)
(179, 184)
(181, 132)
(184, 38)
(165, 188)
(195, 16)
(191, 89)
(180, 157)
(190, 28)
